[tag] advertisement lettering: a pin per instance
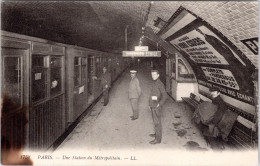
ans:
(195, 45)
(220, 76)
(232, 93)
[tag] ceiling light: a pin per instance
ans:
(159, 23)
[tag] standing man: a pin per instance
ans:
(157, 98)
(134, 93)
(105, 83)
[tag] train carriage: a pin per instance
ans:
(54, 81)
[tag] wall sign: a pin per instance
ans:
(252, 44)
(220, 76)
(37, 76)
(141, 53)
(141, 48)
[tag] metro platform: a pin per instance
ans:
(109, 127)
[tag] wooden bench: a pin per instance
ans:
(240, 135)
(192, 101)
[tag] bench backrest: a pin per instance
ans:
(240, 112)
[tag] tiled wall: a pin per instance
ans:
(237, 20)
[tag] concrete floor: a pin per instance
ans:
(110, 127)
(107, 135)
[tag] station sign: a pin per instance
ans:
(252, 44)
(141, 48)
(141, 53)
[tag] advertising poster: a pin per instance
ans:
(227, 70)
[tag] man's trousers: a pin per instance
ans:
(156, 114)
(106, 96)
(134, 104)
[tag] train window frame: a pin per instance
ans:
(173, 68)
(98, 69)
(48, 71)
(81, 66)
(84, 66)
(182, 77)
(20, 77)
(92, 65)
(78, 65)
(46, 74)
(61, 82)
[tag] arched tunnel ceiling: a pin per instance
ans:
(101, 25)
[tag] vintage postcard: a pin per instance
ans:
(129, 83)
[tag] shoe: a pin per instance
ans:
(131, 117)
(155, 142)
(134, 118)
(152, 135)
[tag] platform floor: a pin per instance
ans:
(109, 127)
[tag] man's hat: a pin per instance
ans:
(133, 71)
(155, 71)
(213, 89)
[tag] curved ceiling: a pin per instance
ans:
(101, 25)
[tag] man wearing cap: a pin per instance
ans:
(157, 98)
(105, 83)
(134, 93)
(218, 101)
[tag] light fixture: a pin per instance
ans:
(159, 23)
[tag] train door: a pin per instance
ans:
(47, 95)
(90, 79)
(98, 72)
(80, 95)
(109, 65)
(183, 81)
(168, 75)
(13, 74)
(173, 78)
(14, 87)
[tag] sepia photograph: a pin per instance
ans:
(129, 83)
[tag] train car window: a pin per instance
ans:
(12, 78)
(91, 65)
(77, 71)
(183, 72)
(109, 65)
(90, 73)
(106, 62)
(56, 74)
(84, 70)
(101, 63)
(56, 61)
(39, 77)
(98, 67)
(168, 67)
(39, 61)
(173, 68)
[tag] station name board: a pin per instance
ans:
(141, 53)
(141, 48)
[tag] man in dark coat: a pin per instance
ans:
(157, 98)
(218, 101)
(105, 83)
